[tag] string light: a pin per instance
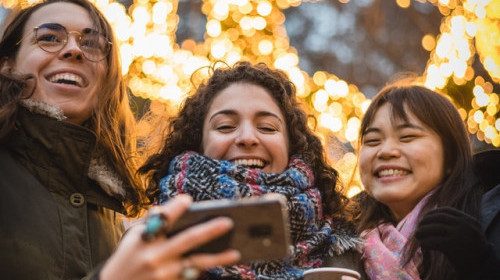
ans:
(159, 69)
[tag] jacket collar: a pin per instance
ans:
(67, 150)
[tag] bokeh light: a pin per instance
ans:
(158, 68)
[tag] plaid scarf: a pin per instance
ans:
(313, 234)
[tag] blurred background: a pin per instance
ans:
(338, 53)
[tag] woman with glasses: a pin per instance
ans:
(67, 164)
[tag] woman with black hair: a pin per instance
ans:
(420, 214)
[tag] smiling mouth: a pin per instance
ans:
(252, 163)
(67, 78)
(391, 172)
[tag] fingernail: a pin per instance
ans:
(228, 222)
(236, 254)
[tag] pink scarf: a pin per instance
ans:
(383, 254)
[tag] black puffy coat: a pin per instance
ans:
(487, 167)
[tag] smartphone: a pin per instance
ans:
(261, 229)
(331, 273)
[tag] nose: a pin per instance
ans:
(246, 137)
(389, 149)
(72, 49)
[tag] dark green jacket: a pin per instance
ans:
(55, 223)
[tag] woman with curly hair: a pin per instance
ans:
(243, 133)
(67, 157)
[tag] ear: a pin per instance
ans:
(6, 65)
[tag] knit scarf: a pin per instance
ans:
(314, 235)
(383, 253)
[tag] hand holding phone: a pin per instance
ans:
(260, 232)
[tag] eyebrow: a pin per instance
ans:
(54, 25)
(233, 113)
(399, 127)
(90, 31)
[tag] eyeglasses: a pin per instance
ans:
(53, 37)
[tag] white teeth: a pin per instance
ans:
(392, 172)
(255, 163)
(67, 77)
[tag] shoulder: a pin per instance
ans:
(487, 166)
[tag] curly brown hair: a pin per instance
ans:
(185, 131)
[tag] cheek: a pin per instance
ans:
(365, 173)
(280, 154)
(98, 82)
(285, 145)
(100, 73)
(214, 146)
(30, 59)
(283, 155)
(363, 163)
(205, 142)
(22, 67)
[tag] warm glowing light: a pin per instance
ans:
(286, 61)
(320, 100)
(160, 11)
(330, 122)
(157, 68)
(403, 3)
(213, 28)
(148, 67)
(365, 105)
(319, 78)
(491, 65)
(140, 14)
(259, 23)
(218, 50)
(444, 46)
(352, 130)
(428, 42)
(478, 116)
(480, 12)
(264, 8)
(489, 132)
(471, 29)
(245, 8)
(246, 23)
(444, 2)
(353, 190)
(265, 47)
(220, 10)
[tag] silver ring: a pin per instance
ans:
(189, 271)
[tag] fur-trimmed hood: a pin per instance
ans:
(100, 170)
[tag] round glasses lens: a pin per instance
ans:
(51, 39)
(95, 47)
